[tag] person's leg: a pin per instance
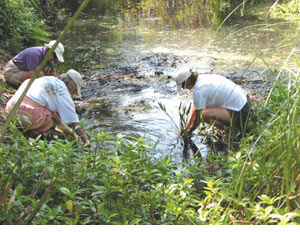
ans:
(12, 75)
(240, 118)
(40, 119)
(219, 116)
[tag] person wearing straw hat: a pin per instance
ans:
(49, 100)
(216, 100)
(24, 64)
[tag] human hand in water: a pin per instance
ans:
(86, 143)
(63, 128)
(184, 132)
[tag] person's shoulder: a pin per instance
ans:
(32, 51)
(214, 78)
(210, 75)
(50, 79)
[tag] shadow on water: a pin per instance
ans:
(128, 50)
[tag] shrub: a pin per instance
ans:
(20, 25)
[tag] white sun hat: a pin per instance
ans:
(180, 76)
(59, 50)
(76, 77)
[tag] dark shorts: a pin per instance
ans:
(240, 118)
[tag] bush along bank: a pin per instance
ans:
(20, 25)
(116, 180)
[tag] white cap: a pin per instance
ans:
(59, 50)
(76, 77)
(181, 76)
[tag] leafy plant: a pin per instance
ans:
(20, 25)
(77, 60)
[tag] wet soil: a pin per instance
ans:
(124, 99)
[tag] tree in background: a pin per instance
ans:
(20, 25)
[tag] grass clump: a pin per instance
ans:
(290, 9)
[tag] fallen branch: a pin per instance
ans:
(41, 202)
(12, 199)
(38, 184)
(25, 212)
(7, 187)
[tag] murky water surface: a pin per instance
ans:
(147, 40)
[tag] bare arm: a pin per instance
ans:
(29, 75)
(67, 130)
(79, 130)
(64, 128)
(194, 120)
(50, 70)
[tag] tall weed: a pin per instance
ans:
(271, 159)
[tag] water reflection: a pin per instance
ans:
(119, 33)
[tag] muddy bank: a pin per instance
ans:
(157, 70)
(124, 99)
(149, 71)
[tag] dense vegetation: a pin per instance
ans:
(117, 180)
(20, 25)
(290, 10)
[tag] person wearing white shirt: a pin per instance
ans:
(216, 99)
(49, 100)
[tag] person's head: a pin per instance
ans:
(58, 52)
(73, 81)
(185, 78)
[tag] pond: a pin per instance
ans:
(128, 51)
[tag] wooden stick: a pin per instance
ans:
(41, 202)
(38, 184)
(12, 199)
(7, 187)
(34, 192)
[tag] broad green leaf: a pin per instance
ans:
(187, 181)
(65, 191)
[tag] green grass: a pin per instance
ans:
(289, 10)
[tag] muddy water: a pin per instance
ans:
(131, 107)
(128, 52)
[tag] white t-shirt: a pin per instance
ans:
(213, 90)
(52, 93)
